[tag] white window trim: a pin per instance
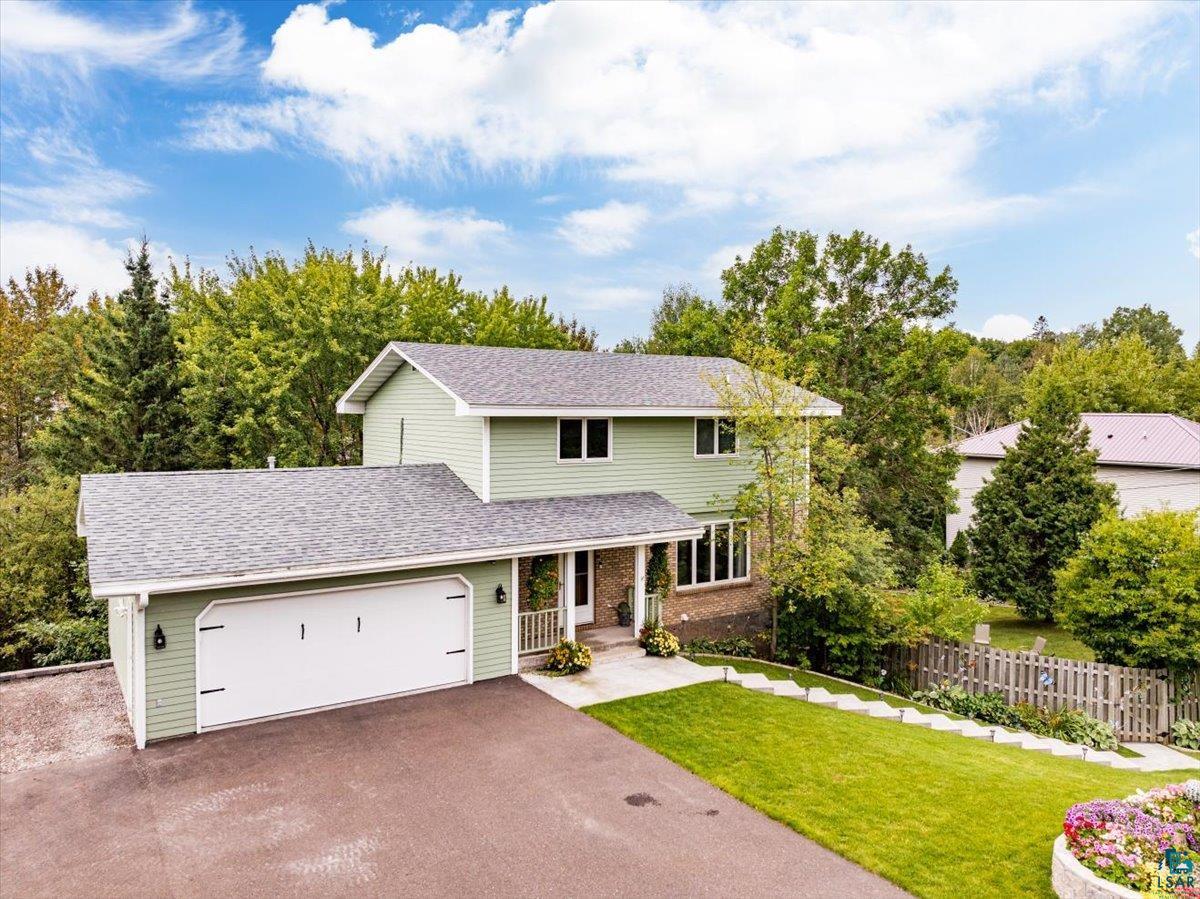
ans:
(712, 558)
(737, 440)
(584, 461)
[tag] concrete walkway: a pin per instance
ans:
(1161, 758)
(620, 678)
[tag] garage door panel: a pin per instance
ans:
(272, 656)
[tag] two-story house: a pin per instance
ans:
(241, 595)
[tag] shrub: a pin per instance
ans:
(941, 606)
(723, 646)
(1125, 841)
(661, 642)
(542, 587)
(1132, 591)
(1186, 734)
(658, 570)
(568, 657)
(960, 550)
(1071, 725)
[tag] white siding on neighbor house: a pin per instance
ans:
(1139, 488)
(410, 419)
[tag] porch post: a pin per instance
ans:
(568, 593)
(639, 587)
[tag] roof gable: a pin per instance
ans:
(509, 381)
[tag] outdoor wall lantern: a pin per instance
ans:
(160, 639)
(501, 596)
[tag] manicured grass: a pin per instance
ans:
(938, 814)
(1011, 631)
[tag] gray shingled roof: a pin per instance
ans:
(502, 376)
(153, 527)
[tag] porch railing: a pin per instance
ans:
(538, 631)
(654, 608)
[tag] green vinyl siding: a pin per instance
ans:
(171, 672)
(648, 454)
(410, 419)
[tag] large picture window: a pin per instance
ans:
(721, 555)
(584, 439)
(716, 437)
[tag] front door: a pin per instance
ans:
(585, 592)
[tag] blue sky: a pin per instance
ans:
(1050, 154)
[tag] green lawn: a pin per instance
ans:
(938, 814)
(1011, 631)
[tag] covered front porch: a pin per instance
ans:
(598, 595)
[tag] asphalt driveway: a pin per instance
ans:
(494, 788)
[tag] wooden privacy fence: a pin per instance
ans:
(1140, 703)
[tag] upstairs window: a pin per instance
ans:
(716, 437)
(584, 440)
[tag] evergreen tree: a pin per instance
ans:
(126, 413)
(1031, 516)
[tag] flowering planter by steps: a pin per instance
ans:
(1072, 880)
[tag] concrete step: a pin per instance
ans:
(1035, 743)
(1065, 750)
(1007, 738)
(1102, 757)
(821, 696)
(976, 732)
(620, 654)
(879, 709)
(910, 715)
(844, 702)
(751, 681)
(787, 688)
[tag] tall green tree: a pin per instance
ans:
(42, 339)
(268, 351)
(126, 413)
(1131, 592)
(825, 564)
(1123, 375)
(684, 324)
(1031, 516)
(852, 315)
(1154, 327)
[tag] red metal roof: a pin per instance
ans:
(1121, 438)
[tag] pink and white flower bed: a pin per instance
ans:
(1131, 842)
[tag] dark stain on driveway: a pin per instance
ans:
(493, 788)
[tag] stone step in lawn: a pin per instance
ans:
(877, 708)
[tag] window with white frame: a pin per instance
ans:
(722, 554)
(716, 437)
(584, 439)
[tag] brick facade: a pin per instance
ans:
(712, 610)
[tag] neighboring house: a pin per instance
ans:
(240, 595)
(1153, 459)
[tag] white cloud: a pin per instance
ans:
(721, 259)
(1193, 240)
(1005, 327)
(425, 236)
(171, 41)
(604, 297)
(876, 111)
(604, 230)
(75, 187)
(85, 261)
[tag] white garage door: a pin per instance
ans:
(272, 656)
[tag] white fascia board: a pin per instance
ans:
(466, 409)
(184, 585)
(80, 521)
(352, 403)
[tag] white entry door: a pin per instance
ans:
(262, 657)
(585, 588)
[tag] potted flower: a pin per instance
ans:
(624, 613)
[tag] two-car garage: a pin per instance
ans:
(261, 657)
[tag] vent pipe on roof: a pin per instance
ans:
(271, 462)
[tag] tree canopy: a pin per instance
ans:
(1031, 516)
